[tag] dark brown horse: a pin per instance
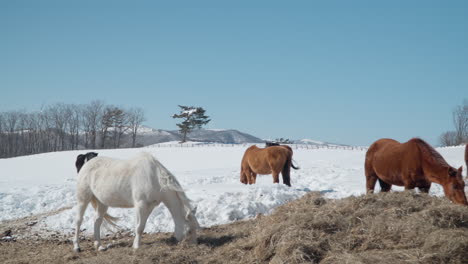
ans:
(412, 164)
(466, 158)
(271, 160)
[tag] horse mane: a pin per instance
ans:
(169, 182)
(429, 153)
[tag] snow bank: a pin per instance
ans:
(210, 175)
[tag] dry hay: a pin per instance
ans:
(401, 227)
(382, 228)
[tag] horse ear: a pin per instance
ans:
(460, 170)
(452, 172)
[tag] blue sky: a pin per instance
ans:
(340, 71)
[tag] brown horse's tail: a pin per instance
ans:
(294, 167)
(107, 218)
(286, 172)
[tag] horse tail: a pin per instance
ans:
(112, 220)
(286, 171)
(294, 167)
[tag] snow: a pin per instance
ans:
(190, 111)
(217, 129)
(310, 141)
(209, 173)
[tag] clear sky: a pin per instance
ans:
(340, 71)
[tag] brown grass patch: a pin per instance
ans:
(401, 227)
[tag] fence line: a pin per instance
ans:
(293, 146)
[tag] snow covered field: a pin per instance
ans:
(210, 175)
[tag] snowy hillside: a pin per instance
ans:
(227, 136)
(210, 175)
(149, 136)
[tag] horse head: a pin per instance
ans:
(191, 227)
(455, 188)
(83, 158)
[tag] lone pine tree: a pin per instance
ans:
(192, 118)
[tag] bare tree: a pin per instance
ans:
(66, 127)
(11, 122)
(460, 120)
(2, 136)
(73, 113)
(105, 123)
(136, 117)
(92, 115)
(448, 138)
(119, 124)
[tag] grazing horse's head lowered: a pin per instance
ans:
(82, 158)
(412, 164)
(142, 183)
(455, 187)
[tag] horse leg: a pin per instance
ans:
(253, 176)
(371, 179)
(408, 183)
(143, 210)
(425, 187)
(384, 187)
(243, 177)
(275, 175)
(81, 208)
(100, 212)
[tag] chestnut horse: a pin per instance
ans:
(270, 160)
(466, 159)
(411, 164)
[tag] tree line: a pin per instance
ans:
(60, 127)
(459, 135)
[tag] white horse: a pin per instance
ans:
(143, 183)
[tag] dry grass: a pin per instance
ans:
(381, 228)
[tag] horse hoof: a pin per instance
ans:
(77, 250)
(101, 248)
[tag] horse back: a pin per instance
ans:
(390, 160)
(261, 160)
(119, 183)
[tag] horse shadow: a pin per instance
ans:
(215, 241)
(202, 240)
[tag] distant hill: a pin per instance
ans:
(315, 142)
(148, 136)
(228, 136)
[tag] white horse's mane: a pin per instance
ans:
(168, 181)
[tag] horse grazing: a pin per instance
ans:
(270, 160)
(142, 183)
(411, 164)
(466, 159)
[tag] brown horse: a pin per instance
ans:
(270, 160)
(411, 164)
(466, 158)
